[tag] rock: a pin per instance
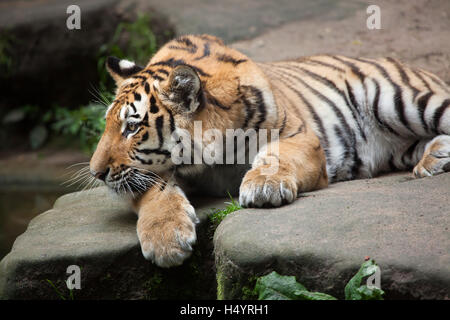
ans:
(96, 231)
(323, 238)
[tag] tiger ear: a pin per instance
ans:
(121, 69)
(182, 90)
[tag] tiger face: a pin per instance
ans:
(135, 148)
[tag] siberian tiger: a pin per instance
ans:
(338, 118)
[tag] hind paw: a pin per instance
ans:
(436, 158)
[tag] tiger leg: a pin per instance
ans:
(166, 225)
(435, 159)
(282, 169)
(432, 154)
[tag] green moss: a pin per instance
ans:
(153, 285)
(248, 290)
(217, 216)
(220, 284)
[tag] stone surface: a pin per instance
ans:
(323, 238)
(413, 31)
(97, 232)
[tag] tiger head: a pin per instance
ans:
(140, 123)
(191, 79)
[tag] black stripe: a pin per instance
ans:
(209, 38)
(398, 97)
(293, 107)
(206, 51)
(324, 138)
(163, 71)
(283, 124)
(376, 107)
(150, 161)
(139, 77)
(249, 112)
(261, 108)
(418, 75)
(409, 153)
(343, 140)
(137, 96)
(229, 59)
(180, 62)
(438, 114)
(405, 78)
(357, 163)
(215, 102)
(185, 41)
(300, 129)
(147, 88)
(153, 75)
(144, 121)
(392, 166)
(355, 69)
(190, 50)
(190, 46)
(155, 151)
(330, 84)
(153, 107)
(350, 152)
(144, 137)
(422, 105)
(435, 80)
(258, 104)
(323, 64)
(351, 96)
(159, 122)
(333, 106)
(133, 107)
(171, 120)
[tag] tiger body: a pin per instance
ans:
(337, 119)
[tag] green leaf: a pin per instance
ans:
(355, 291)
(370, 293)
(277, 287)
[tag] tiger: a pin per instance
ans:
(338, 118)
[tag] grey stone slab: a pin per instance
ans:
(96, 231)
(323, 238)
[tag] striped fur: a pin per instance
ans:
(338, 118)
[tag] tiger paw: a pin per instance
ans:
(267, 190)
(167, 239)
(436, 158)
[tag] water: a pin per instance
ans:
(17, 208)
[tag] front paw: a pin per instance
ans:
(167, 238)
(262, 190)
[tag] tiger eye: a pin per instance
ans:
(131, 126)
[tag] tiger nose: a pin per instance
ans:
(101, 175)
